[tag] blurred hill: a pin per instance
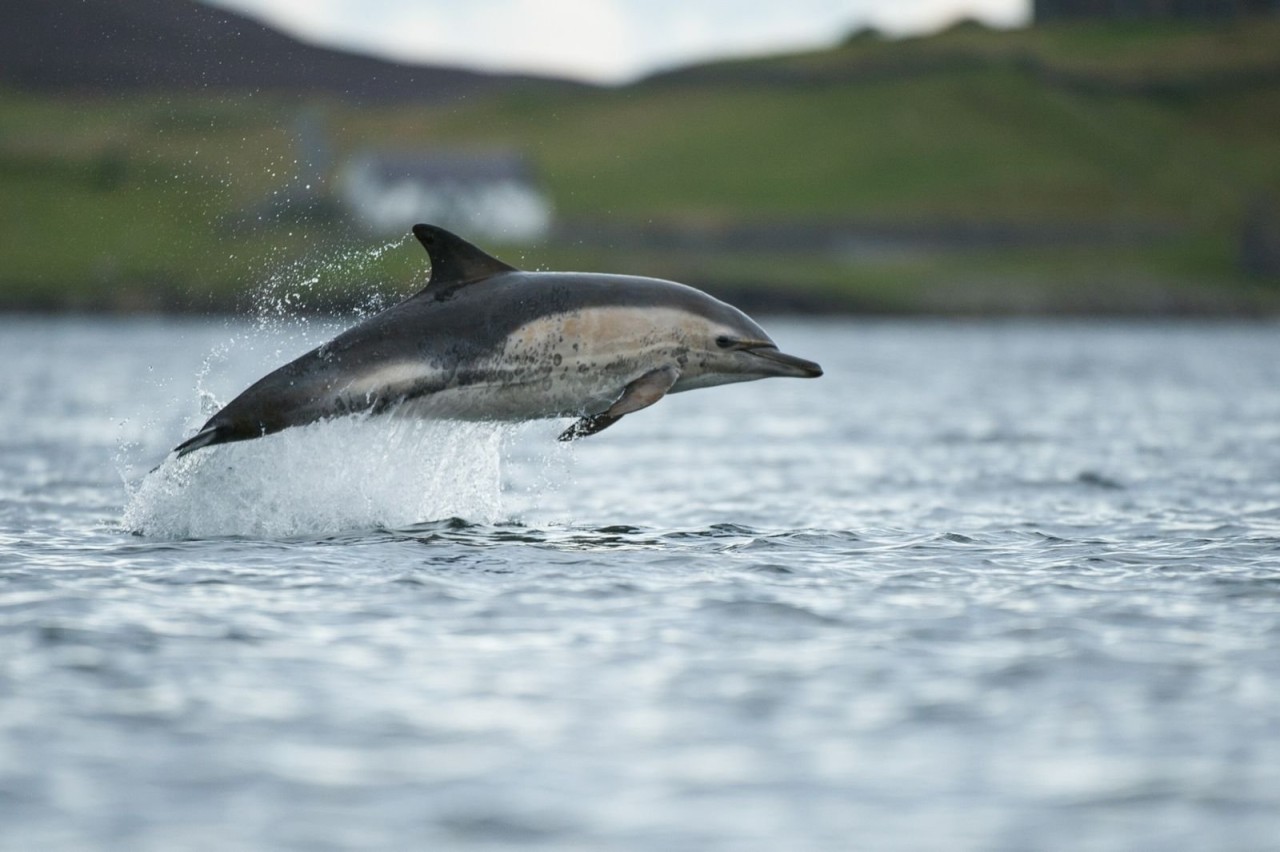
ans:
(1083, 168)
(109, 45)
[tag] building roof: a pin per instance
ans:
(446, 166)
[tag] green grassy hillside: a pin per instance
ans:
(141, 201)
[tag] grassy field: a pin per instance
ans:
(1118, 50)
(146, 202)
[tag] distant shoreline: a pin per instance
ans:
(1152, 300)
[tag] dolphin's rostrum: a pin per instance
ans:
(486, 341)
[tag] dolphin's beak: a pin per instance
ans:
(787, 365)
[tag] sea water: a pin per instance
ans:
(984, 586)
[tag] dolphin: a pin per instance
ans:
(486, 341)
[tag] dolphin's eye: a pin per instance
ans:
(724, 341)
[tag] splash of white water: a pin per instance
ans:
(347, 474)
(352, 473)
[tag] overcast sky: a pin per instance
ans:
(603, 40)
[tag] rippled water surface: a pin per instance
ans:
(983, 587)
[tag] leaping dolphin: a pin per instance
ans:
(487, 341)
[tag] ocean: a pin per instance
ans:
(1003, 585)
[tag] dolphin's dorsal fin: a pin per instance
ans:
(454, 261)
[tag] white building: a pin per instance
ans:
(490, 196)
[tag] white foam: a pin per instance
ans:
(348, 474)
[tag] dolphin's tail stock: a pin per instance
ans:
(203, 438)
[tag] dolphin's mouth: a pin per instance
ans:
(800, 368)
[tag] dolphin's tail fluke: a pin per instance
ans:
(203, 438)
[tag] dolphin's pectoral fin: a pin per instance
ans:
(588, 426)
(644, 391)
(641, 393)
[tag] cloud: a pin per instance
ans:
(543, 36)
(601, 40)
